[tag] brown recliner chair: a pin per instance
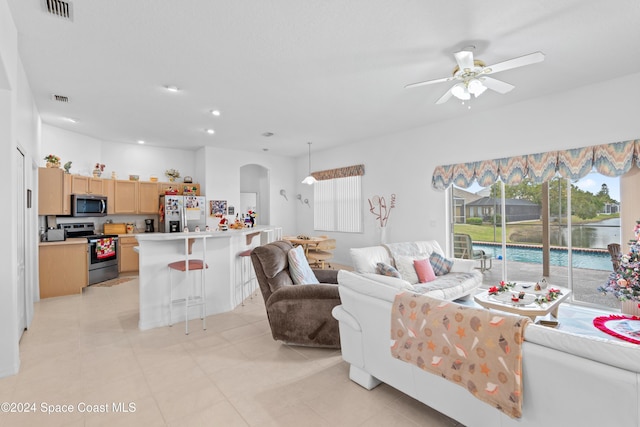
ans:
(298, 314)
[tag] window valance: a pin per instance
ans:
(355, 170)
(613, 159)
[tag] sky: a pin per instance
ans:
(591, 183)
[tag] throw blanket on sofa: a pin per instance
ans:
(474, 348)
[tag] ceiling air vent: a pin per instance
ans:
(59, 98)
(59, 8)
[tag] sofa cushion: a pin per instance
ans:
(424, 270)
(407, 270)
(365, 259)
(274, 264)
(451, 286)
(366, 285)
(440, 264)
(394, 282)
(299, 268)
(385, 269)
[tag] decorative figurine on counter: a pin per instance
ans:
(197, 230)
(207, 228)
(252, 219)
(223, 224)
(67, 166)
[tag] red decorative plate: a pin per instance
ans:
(624, 327)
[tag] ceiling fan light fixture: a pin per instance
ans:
(476, 87)
(309, 180)
(460, 91)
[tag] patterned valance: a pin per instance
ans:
(355, 170)
(613, 159)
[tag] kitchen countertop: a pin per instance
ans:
(69, 241)
(199, 234)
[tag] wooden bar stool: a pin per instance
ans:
(245, 273)
(192, 297)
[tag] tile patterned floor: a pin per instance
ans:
(86, 351)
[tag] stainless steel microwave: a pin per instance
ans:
(88, 205)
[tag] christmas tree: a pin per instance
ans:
(624, 282)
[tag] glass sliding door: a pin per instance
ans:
(567, 225)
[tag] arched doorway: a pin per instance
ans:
(255, 192)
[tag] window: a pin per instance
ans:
(338, 204)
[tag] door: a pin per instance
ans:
(20, 204)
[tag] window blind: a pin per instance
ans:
(338, 204)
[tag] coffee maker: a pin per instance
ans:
(148, 226)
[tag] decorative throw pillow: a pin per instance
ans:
(301, 273)
(424, 270)
(405, 266)
(387, 270)
(440, 264)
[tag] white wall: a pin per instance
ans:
(223, 182)
(19, 127)
(403, 163)
(217, 170)
(124, 159)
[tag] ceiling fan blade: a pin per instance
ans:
(497, 85)
(444, 98)
(428, 82)
(464, 58)
(520, 61)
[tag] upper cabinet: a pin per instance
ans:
(149, 200)
(50, 191)
(180, 187)
(124, 196)
(87, 185)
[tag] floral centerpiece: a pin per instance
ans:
(551, 295)
(502, 287)
(52, 160)
(98, 169)
(172, 174)
(624, 282)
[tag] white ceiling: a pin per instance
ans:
(330, 72)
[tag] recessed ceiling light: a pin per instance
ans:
(140, 141)
(171, 88)
(210, 131)
(215, 112)
(267, 134)
(70, 120)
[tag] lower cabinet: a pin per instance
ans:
(63, 268)
(128, 257)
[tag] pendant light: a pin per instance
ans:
(309, 180)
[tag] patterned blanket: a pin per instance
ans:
(474, 348)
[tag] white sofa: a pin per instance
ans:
(460, 282)
(569, 379)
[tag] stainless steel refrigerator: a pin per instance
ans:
(180, 212)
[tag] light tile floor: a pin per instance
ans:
(86, 351)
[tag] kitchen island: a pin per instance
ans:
(223, 282)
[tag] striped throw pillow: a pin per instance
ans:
(299, 268)
(440, 264)
(387, 270)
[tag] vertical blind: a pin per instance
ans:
(338, 204)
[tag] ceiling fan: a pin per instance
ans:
(471, 75)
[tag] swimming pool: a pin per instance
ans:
(558, 257)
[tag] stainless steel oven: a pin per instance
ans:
(102, 251)
(102, 258)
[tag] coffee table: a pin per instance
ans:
(525, 307)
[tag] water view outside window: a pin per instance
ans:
(595, 206)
